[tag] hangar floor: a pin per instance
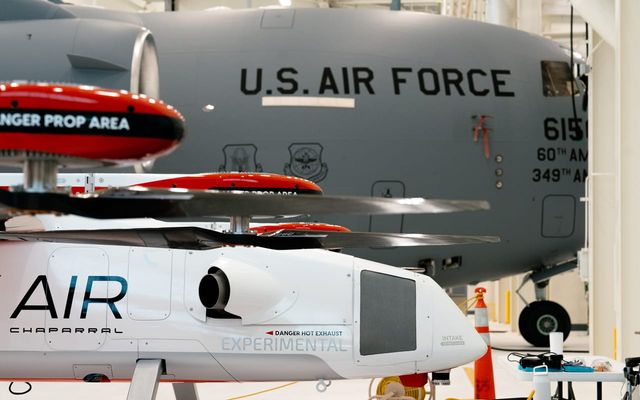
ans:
(507, 383)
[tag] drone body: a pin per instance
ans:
(77, 312)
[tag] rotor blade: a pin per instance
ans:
(192, 238)
(139, 202)
(330, 239)
(189, 238)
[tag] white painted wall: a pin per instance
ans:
(602, 204)
(568, 290)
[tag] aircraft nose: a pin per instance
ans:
(455, 340)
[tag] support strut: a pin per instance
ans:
(541, 277)
(40, 175)
(185, 391)
(239, 224)
(144, 384)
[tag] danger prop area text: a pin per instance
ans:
(69, 121)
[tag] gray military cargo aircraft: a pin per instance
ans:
(366, 102)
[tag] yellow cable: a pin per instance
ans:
(465, 301)
(468, 303)
(462, 303)
(263, 391)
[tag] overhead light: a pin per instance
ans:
(285, 3)
(208, 108)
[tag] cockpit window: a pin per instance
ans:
(557, 79)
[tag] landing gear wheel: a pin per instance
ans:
(540, 318)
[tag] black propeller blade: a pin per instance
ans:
(137, 202)
(330, 239)
(193, 238)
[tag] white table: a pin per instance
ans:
(615, 375)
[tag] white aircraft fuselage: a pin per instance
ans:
(74, 312)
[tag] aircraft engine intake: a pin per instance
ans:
(111, 54)
(214, 290)
(234, 286)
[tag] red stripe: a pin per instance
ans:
(482, 329)
(87, 146)
(80, 189)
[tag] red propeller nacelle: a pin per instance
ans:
(299, 226)
(243, 181)
(44, 126)
(247, 182)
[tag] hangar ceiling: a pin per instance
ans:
(548, 18)
(433, 6)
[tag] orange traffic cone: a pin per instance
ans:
(483, 368)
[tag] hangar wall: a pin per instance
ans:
(568, 289)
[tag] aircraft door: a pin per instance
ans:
(78, 280)
(558, 216)
(387, 223)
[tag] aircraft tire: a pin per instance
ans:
(540, 318)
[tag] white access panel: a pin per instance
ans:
(73, 274)
(149, 278)
(422, 316)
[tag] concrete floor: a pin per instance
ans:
(507, 384)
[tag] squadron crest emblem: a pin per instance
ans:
(306, 162)
(240, 158)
